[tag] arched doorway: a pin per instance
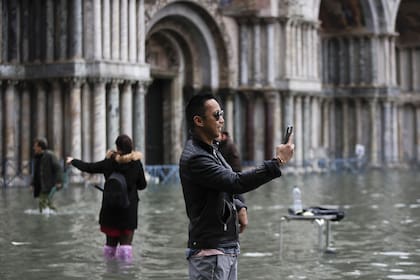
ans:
(186, 52)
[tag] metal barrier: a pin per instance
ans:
(162, 174)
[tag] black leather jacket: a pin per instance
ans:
(208, 184)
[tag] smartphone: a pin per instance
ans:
(287, 134)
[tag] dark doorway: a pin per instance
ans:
(155, 120)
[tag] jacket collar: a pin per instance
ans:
(133, 156)
(205, 146)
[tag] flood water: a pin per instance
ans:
(379, 238)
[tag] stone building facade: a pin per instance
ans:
(80, 72)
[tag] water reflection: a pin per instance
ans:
(378, 239)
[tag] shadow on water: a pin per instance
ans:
(378, 239)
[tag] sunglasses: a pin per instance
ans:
(218, 114)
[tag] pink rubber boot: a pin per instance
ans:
(125, 253)
(109, 252)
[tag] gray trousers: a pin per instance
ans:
(217, 267)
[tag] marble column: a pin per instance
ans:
(394, 63)
(123, 30)
(177, 111)
(362, 61)
(88, 47)
(229, 113)
(387, 134)
(25, 134)
(352, 61)
(76, 36)
(288, 116)
(332, 129)
(359, 123)
(139, 128)
(113, 113)
(417, 135)
(250, 126)
(57, 118)
(86, 122)
(299, 50)
(316, 124)
(270, 122)
(10, 129)
(1, 112)
(49, 30)
(292, 49)
(41, 110)
(106, 29)
(99, 119)
(271, 55)
(278, 119)
(387, 61)
(243, 30)
(25, 26)
(395, 134)
(97, 29)
(401, 125)
(345, 128)
(373, 70)
(326, 123)
(325, 64)
(315, 52)
(126, 112)
(1, 49)
(61, 29)
(75, 123)
(374, 160)
(257, 54)
(141, 32)
(415, 69)
(132, 41)
(115, 31)
(306, 128)
(298, 132)
(306, 59)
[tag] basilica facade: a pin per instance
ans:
(80, 72)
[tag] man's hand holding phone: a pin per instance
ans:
(284, 152)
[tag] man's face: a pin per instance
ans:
(213, 119)
(37, 148)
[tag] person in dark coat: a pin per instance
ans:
(119, 224)
(47, 174)
(229, 151)
(209, 186)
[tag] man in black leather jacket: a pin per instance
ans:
(209, 186)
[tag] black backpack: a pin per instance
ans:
(115, 193)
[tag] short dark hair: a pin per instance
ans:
(41, 142)
(124, 144)
(195, 107)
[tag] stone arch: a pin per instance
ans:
(408, 46)
(201, 30)
(186, 51)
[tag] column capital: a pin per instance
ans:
(11, 82)
(143, 85)
(270, 96)
(73, 81)
(116, 82)
(249, 95)
(99, 80)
